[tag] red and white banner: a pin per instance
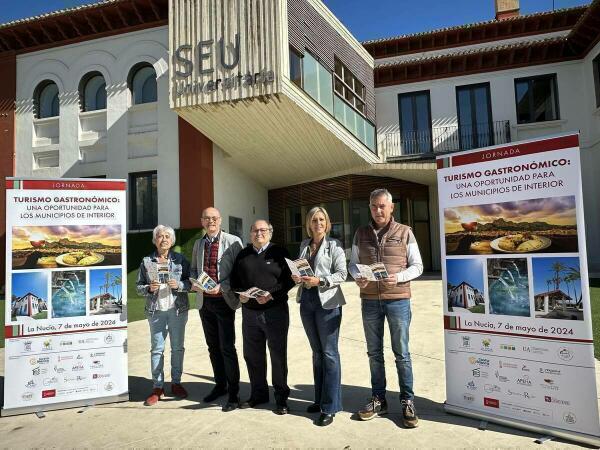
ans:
(518, 330)
(66, 297)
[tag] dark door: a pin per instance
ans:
(415, 122)
(475, 126)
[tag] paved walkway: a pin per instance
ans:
(189, 423)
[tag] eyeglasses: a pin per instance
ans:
(211, 219)
(261, 231)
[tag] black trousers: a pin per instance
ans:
(269, 327)
(218, 322)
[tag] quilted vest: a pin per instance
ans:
(392, 251)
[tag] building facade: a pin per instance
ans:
(266, 108)
(28, 305)
(509, 79)
(464, 296)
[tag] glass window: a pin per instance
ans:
(235, 226)
(537, 99)
(295, 224)
(317, 82)
(349, 87)
(325, 91)
(596, 68)
(92, 92)
(46, 100)
(142, 84)
(474, 116)
(295, 67)
(420, 210)
(339, 68)
(143, 200)
(415, 122)
(339, 86)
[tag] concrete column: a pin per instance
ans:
(68, 136)
(117, 102)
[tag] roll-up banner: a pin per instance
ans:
(518, 327)
(65, 316)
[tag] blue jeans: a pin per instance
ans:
(398, 315)
(161, 324)
(322, 328)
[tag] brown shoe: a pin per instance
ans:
(178, 391)
(157, 394)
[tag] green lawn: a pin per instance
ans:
(479, 309)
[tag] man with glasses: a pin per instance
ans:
(386, 241)
(265, 319)
(215, 254)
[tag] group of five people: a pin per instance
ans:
(265, 319)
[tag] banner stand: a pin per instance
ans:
(523, 425)
(65, 321)
(517, 314)
(65, 405)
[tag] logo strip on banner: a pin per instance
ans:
(65, 323)
(517, 315)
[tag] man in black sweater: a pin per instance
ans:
(265, 319)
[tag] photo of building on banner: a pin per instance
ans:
(65, 317)
(517, 316)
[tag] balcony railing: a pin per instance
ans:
(450, 138)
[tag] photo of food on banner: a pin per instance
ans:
(373, 272)
(546, 225)
(35, 247)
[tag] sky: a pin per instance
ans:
(34, 282)
(552, 210)
(365, 19)
(469, 270)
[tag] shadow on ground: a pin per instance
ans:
(302, 395)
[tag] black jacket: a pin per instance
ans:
(267, 270)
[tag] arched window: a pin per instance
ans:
(45, 99)
(142, 83)
(92, 92)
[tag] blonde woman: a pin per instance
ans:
(321, 301)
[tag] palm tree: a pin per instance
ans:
(573, 276)
(558, 268)
(106, 285)
(117, 281)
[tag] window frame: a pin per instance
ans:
(345, 87)
(596, 75)
(474, 125)
(83, 83)
(135, 69)
(37, 94)
(412, 94)
(300, 57)
(554, 90)
(133, 176)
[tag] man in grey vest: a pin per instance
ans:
(215, 254)
(386, 241)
